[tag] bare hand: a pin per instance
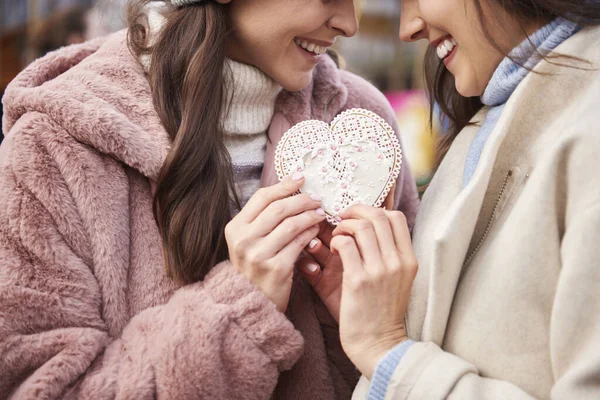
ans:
(267, 236)
(379, 269)
(323, 270)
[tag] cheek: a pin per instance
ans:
(267, 42)
(439, 13)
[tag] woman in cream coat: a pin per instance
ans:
(505, 253)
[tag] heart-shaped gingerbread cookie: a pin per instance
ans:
(355, 160)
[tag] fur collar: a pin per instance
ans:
(98, 92)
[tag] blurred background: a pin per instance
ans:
(31, 28)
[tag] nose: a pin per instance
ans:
(344, 18)
(412, 26)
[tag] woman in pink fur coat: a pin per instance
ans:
(126, 270)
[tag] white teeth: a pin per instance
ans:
(448, 45)
(445, 48)
(312, 47)
(442, 52)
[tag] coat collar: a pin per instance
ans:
(99, 93)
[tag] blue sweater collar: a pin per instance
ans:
(509, 74)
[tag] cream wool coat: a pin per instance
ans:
(506, 304)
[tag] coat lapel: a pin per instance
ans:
(451, 229)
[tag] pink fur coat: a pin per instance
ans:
(86, 310)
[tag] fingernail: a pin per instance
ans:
(297, 175)
(316, 197)
(320, 211)
(312, 267)
(313, 243)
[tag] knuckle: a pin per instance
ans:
(308, 203)
(379, 215)
(229, 230)
(308, 219)
(377, 212)
(359, 282)
(278, 267)
(361, 208)
(411, 266)
(342, 242)
(254, 257)
(381, 275)
(291, 227)
(269, 265)
(304, 199)
(301, 202)
(277, 209)
(303, 239)
(394, 261)
(262, 193)
(398, 216)
(240, 246)
(363, 225)
(288, 186)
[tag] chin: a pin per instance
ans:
(297, 82)
(467, 90)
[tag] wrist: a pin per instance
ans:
(369, 356)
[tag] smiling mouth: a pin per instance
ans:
(445, 47)
(311, 47)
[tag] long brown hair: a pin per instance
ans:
(195, 186)
(457, 111)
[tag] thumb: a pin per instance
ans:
(309, 269)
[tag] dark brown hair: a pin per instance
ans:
(195, 185)
(457, 111)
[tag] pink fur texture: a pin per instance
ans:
(86, 310)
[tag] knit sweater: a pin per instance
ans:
(247, 114)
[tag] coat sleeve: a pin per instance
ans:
(218, 339)
(428, 372)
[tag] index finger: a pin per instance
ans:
(265, 196)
